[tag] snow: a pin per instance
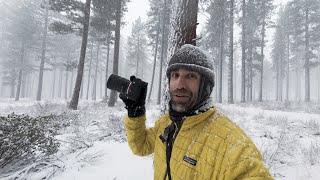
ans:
(94, 146)
(115, 162)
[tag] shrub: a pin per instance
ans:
(311, 154)
(23, 138)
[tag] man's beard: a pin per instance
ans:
(180, 106)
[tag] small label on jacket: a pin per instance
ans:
(190, 160)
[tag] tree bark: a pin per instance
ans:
(262, 53)
(243, 57)
(43, 52)
(71, 82)
(281, 77)
(288, 67)
(318, 84)
(154, 61)
(138, 58)
(75, 96)
(107, 69)
(230, 79)
(94, 92)
(60, 83)
(250, 72)
(89, 73)
(306, 65)
(114, 95)
(20, 71)
(53, 83)
(12, 88)
(66, 82)
(221, 54)
(162, 50)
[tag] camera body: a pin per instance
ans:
(133, 89)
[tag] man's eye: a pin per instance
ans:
(174, 75)
(192, 76)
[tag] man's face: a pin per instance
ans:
(184, 89)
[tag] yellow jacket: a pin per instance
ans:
(220, 148)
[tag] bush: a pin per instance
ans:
(311, 154)
(23, 138)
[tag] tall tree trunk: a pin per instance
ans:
(250, 72)
(221, 54)
(107, 68)
(183, 29)
(12, 88)
(162, 50)
(318, 84)
(43, 50)
(89, 73)
(20, 71)
(2, 89)
(23, 86)
(71, 81)
(230, 79)
(306, 65)
(100, 84)
(60, 83)
(113, 95)
(277, 79)
(138, 57)
(26, 85)
(53, 83)
(154, 61)
(243, 57)
(75, 97)
(66, 83)
(185, 24)
(216, 64)
(298, 85)
(263, 34)
(32, 85)
(288, 67)
(281, 78)
(94, 92)
(81, 89)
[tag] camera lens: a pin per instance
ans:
(118, 83)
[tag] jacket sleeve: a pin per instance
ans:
(244, 161)
(141, 140)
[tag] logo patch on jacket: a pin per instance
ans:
(189, 160)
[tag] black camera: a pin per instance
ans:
(133, 89)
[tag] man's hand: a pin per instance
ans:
(135, 108)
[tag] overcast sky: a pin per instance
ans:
(140, 8)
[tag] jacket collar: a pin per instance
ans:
(191, 121)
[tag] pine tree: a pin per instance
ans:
(103, 23)
(183, 31)
(113, 94)
(230, 78)
(19, 37)
(75, 97)
(43, 49)
(153, 25)
(137, 46)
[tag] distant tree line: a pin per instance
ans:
(71, 47)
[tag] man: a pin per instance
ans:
(193, 141)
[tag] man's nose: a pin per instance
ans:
(181, 83)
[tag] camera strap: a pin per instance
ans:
(168, 137)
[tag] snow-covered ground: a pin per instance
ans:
(94, 145)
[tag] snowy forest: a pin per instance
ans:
(58, 120)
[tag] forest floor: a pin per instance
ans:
(94, 145)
